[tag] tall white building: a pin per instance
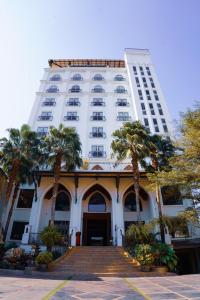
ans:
(95, 96)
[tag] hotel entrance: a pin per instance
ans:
(96, 229)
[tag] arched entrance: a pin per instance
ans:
(96, 217)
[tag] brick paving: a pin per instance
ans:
(100, 288)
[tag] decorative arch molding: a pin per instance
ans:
(97, 167)
(143, 194)
(48, 195)
(96, 188)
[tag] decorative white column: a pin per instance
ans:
(117, 215)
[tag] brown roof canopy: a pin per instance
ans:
(63, 63)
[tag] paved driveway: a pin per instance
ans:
(158, 288)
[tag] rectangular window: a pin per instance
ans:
(152, 82)
(148, 71)
(71, 116)
(98, 102)
(160, 109)
(137, 81)
(148, 94)
(97, 151)
(164, 125)
(45, 116)
(25, 199)
(123, 116)
(171, 195)
(17, 230)
(156, 95)
(73, 102)
(140, 95)
(63, 226)
(49, 102)
(143, 109)
(42, 131)
(141, 71)
(135, 70)
(97, 116)
(122, 102)
(144, 82)
(156, 128)
(146, 122)
(151, 108)
(97, 132)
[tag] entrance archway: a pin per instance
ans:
(96, 217)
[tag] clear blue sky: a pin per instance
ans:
(33, 31)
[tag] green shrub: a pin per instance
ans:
(139, 234)
(164, 255)
(143, 254)
(44, 258)
(50, 236)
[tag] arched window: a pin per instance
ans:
(98, 89)
(119, 77)
(55, 77)
(53, 89)
(98, 77)
(62, 202)
(76, 77)
(75, 89)
(120, 89)
(97, 203)
(130, 202)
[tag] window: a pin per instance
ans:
(135, 70)
(130, 202)
(75, 89)
(52, 89)
(140, 95)
(63, 227)
(77, 77)
(71, 116)
(155, 122)
(17, 230)
(146, 124)
(49, 102)
(98, 77)
(144, 82)
(62, 202)
(148, 94)
(97, 151)
(148, 71)
(141, 71)
(156, 95)
(97, 102)
(171, 195)
(97, 116)
(152, 82)
(25, 199)
(98, 89)
(137, 81)
(123, 116)
(97, 203)
(143, 109)
(164, 125)
(122, 102)
(97, 132)
(119, 78)
(160, 109)
(42, 131)
(55, 77)
(45, 116)
(73, 102)
(120, 90)
(151, 109)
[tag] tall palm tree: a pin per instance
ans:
(19, 155)
(161, 150)
(131, 141)
(62, 146)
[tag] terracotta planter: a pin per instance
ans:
(161, 269)
(145, 268)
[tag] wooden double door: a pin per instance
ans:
(96, 229)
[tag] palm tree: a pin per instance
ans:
(161, 150)
(62, 146)
(131, 141)
(19, 155)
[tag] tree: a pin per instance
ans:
(131, 141)
(19, 156)
(185, 163)
(62, 146)
(50, 236)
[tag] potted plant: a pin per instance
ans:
(164, 257)
(143, 255)
(43, 259)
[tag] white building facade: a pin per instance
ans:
(96, 203)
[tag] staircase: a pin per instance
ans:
(98, 261)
